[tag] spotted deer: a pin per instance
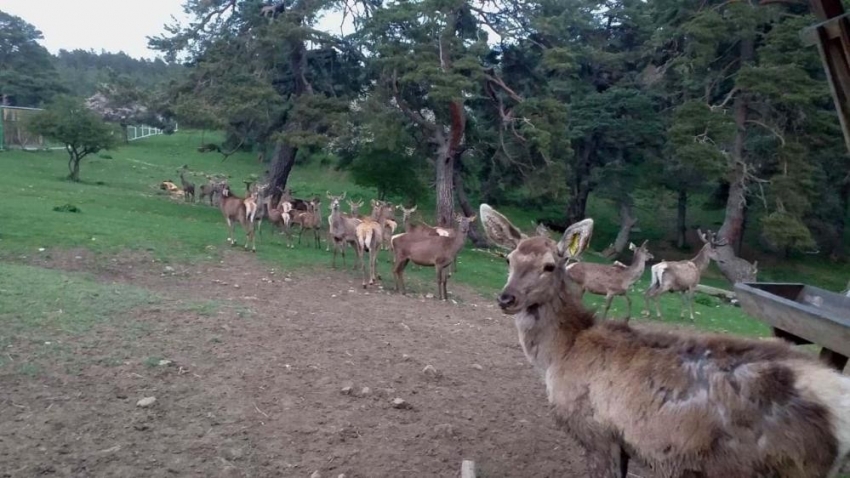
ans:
(681, 403)
(610, 280)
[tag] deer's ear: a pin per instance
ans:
(413, 209)
(542, 230)
(498, 228)
(576, 239)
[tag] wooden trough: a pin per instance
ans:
(801, 314)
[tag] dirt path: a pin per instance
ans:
(255, 387)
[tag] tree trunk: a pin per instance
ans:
(125, 134)
(841, 221)
(448, 149)
(733, 223)
(627, 222)
(681, 219)
(284, 160)
(75, 170)
(476, 237)
(580, 189)
(445, 187)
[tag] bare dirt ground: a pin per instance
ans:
(288, 376)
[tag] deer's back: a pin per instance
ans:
(597, 278)
(721, 405)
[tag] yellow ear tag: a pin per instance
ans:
(574, 244)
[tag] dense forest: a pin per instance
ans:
(539, 104)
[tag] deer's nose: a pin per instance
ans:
(506, 299)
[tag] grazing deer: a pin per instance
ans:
(682, 404)
(610, 280)
(235, 208)
(188, 186)
(679, 276)
(341, 230)
(425, 249)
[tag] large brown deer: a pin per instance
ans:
(341, 230)
(683, 404)
(420, 226)
(610, 280)
(425, 249)
(235, 208)
(680, 276)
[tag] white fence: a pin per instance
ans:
(140, 132)
(14, 136)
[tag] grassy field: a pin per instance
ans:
(120, 207)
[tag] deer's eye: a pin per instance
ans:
(549, 267)
(507, 261)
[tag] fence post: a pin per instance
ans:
(2, 136)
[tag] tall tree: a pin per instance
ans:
(27, 75)
(278, 91)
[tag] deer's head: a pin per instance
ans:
(536, 265)
(335, 200)
(711, 243)
(641, 251)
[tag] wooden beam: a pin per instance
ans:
(809, 35)
(467, 469)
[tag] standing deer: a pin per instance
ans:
(610, 280)
(682, 404)
(341, 230)
(425, 249)
(369, 239)
(311, 219)
(419, 226)
(235, 208)
(679, 276)
(188, 186)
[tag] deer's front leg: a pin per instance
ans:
(607, 460)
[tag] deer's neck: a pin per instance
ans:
(548, 331)
(459, 239)
(701, 259)
(637, 266)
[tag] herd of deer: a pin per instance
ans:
(683, 404)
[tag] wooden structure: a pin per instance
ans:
(832, 38)
(802, 314)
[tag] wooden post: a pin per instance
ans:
(467, 469)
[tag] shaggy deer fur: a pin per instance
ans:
(679, 276)
(685, 405)
(610, 280)
(235, 208)
(426, 249)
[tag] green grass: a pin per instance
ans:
(119, 206)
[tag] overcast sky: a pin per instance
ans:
(111, 25)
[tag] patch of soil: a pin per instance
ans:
(287, 375)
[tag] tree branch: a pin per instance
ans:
(413, 115)
(726, 100)
(769, 128)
